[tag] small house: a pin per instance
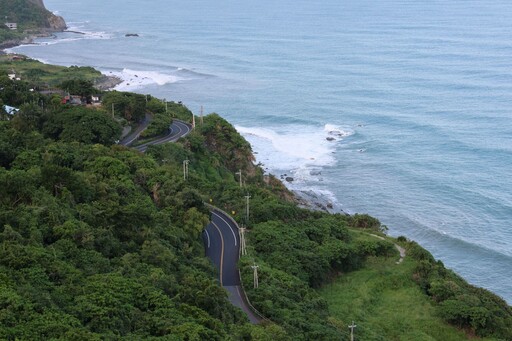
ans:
(10, 110)
(72, 99)
(95, 98)
(11, 25)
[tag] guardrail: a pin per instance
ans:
(254, 310)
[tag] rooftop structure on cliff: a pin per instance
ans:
(11, 25)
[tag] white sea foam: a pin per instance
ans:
(14, 48)
(44, 61)
(72, 34)
(298, 151)
(297, 144)
(134, 79)
(57, 41)
(86, 34)
(338, 130)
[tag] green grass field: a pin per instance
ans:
(386, 304)
(39, 74)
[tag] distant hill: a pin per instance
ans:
(31, 17)
(30, 14)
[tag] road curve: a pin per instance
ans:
(222, 244)
(176, 130)
(134, 135)
(221, 236)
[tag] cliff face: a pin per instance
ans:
(56, 22)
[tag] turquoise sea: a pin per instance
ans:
(417, 95)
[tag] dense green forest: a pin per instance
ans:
(101, 242)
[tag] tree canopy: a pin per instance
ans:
(99, 241)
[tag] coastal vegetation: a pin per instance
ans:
(28, 14)
(31, 18)
(38, 75)
(99, 241)
(9, 35)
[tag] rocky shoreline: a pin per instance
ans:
(107, 82)
(314, 201)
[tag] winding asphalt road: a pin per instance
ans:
(176, 130)
(222, 244)
(221, 236)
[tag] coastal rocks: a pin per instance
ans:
(14, 42)
(131, 35)
(330, 138)
(314, 201)
(107, 82)
(56, 23)
(287, 178)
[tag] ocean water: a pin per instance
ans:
(416, 94)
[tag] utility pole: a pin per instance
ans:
(185, 169)
(165, 106)
(112, 110)
(201, 115)
(241, 232)
(352, 326)
(255, 275)
(193, 121)
(247, 197)
(239, 173)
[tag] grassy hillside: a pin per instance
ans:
(386, 304)
(39, 75)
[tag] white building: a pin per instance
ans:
(10, 110)
(12, 25)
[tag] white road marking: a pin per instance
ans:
(208, 236)
(221, 251)
(233, 232)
